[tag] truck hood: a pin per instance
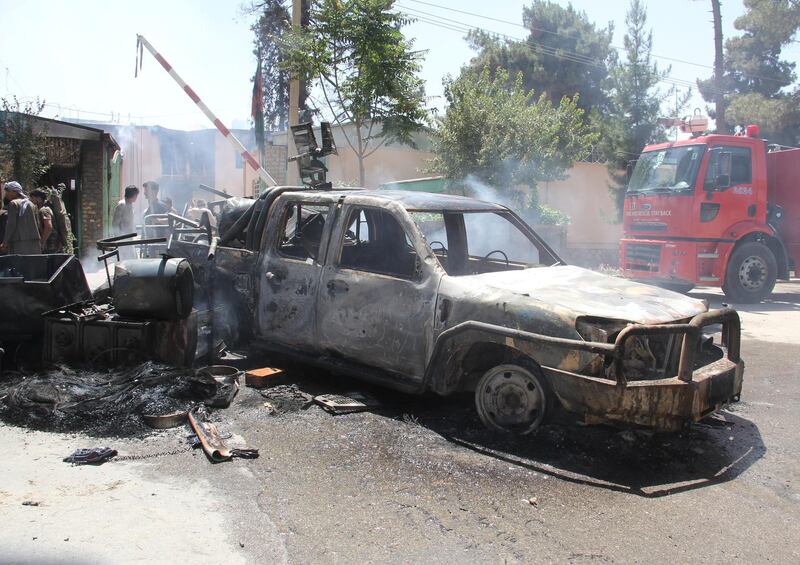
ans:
(587, 293)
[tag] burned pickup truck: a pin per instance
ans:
(426, 292)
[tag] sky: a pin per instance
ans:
(79, 55)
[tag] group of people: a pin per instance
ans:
(122, 221)
(35, 224)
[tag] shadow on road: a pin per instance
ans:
(785, 298)
(637, 462)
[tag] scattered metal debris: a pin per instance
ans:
(346, 403)
(211, 441)
(287, 398)
(165, 421)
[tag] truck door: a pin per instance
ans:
(724, 205)
(376, 298)
(289, 272)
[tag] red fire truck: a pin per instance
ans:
(714, 210)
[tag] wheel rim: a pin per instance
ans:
(510, 399)
(753, 273)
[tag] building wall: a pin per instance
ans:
(91, 196)
(593, 234)
(387, 164)
(234, 176)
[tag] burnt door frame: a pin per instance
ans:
(375, 319)
(287, 286)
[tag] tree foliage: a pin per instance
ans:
(366, 70)
(563, 55)
(635, 100)
(23, 148)
(756, 81)
(497, 132)
(274, 20)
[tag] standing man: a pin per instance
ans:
(22, 229)
(47, 237)
(122, 222)
(62, 226)
(154, 205)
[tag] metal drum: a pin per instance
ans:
(160, 289)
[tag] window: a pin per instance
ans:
(741, 166)
(492, 236)
(468, 243)
(376, 242)
(666, 170)
(302, 228)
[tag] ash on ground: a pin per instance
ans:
(101, 403)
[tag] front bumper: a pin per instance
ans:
(663, 404)
(674, 261)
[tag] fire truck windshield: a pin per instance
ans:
(673, 169)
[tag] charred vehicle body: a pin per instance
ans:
(424, 292)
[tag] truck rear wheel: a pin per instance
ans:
(751, 273)
(512, 398)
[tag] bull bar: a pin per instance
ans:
(691, 331)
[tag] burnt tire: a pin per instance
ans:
(751, 273)
(513, 398)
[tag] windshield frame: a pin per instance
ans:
(547, 256)
(636, 185)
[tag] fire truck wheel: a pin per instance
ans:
(751, 273)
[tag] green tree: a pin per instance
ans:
(367, 72)
(563, 55)
(23, 148)
(496, 132)
(274, 20)
(635, 101)
(756, 84)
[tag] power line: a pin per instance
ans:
(533, 28)
(461, 27)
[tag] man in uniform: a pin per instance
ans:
(62, 226)
(46, 232)
(22, 229)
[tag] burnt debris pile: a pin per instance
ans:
(106, 403)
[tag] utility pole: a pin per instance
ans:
(719, 96)
(292, 175)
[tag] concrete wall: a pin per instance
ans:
(387, 164)
(593, 234)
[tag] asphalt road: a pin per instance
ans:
(419, 480)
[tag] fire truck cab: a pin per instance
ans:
(713, 210)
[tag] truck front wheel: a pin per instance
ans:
(751, 273)
(512, 398)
